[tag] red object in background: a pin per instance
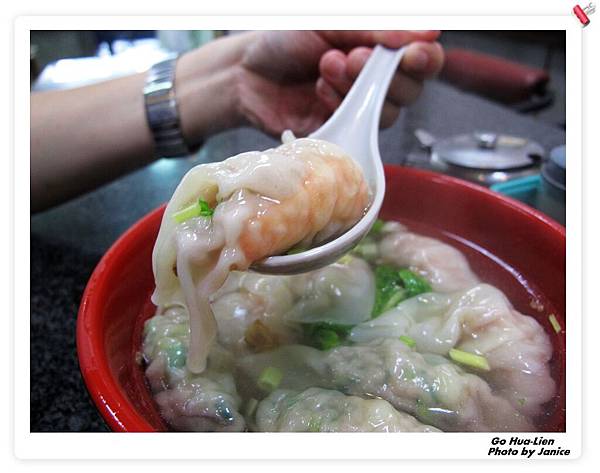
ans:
(497, 78)
(580, 14)
(116, 301)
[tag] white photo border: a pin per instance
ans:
(279, 445)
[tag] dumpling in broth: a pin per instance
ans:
(430, 387)
(444, 267)
(207, 403)
(340, 293)
(273, 307)
(479, 320)
(300, 193)
(323, 410)
(249, 312)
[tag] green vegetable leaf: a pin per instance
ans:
(205, 210)
(325, 335)
(413, 283)
(395, 285)
(387, 285)
(327, 339)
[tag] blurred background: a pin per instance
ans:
(495, 116)
(63, 59)
(488, 118)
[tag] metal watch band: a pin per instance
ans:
(162, 112)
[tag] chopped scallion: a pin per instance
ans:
(469, 359)
(345, 259)
(325, 335)
(314, 425)
(408, 341)
(377, 227)
(394, 300)
(327, 339)
(555, 325)
(270, 378)
(367, 249)
(205, 210)
(197, 209)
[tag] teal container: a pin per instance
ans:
(535, 192)
(525, 189)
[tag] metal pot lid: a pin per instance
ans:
(489, 151)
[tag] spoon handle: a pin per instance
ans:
(355, 127)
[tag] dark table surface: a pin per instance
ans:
(68, 241)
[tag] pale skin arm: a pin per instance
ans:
(82, 138)
(85, 137)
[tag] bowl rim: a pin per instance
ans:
(114, 406)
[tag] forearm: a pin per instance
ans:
(84, 137)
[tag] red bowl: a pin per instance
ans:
(507, 243)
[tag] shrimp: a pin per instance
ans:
(333, 197)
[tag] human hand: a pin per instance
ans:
(296, 79)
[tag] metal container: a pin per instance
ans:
(483, 157)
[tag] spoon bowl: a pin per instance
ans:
(355, 127)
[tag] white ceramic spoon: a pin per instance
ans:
(355, 127)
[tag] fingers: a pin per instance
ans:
(389, 114)
(403, 90)
(332, 99)
(333, 68)
(391, 39)
(422, 60)
(328, 95)
(396, 39)
(338, 70)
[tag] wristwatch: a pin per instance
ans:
(162, 111)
